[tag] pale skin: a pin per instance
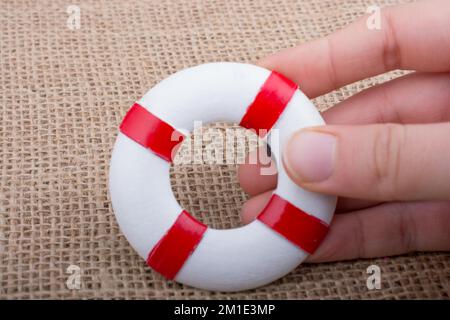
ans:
(386, 150)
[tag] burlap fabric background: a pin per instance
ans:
(63, 94)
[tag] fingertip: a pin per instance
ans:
(253, 206)
(309, 155)
(338, 243)
(245, 172)
(266, 62)
(253, 177)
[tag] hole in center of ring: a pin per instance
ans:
(217, 169)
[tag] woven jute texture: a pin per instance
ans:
(63, 94)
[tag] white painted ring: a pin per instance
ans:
(142, 198)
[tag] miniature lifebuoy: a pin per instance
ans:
(173, 243)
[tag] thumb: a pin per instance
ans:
(378, 162)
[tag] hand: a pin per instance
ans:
(386, 152)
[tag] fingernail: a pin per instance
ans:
(309, 155)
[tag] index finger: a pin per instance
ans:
(413, 36)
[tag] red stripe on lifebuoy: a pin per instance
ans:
(151, 132)
(269, 103)
(174, 248)
(302, 229)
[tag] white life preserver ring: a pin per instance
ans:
(172, 242)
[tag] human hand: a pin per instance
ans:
(386, 150)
